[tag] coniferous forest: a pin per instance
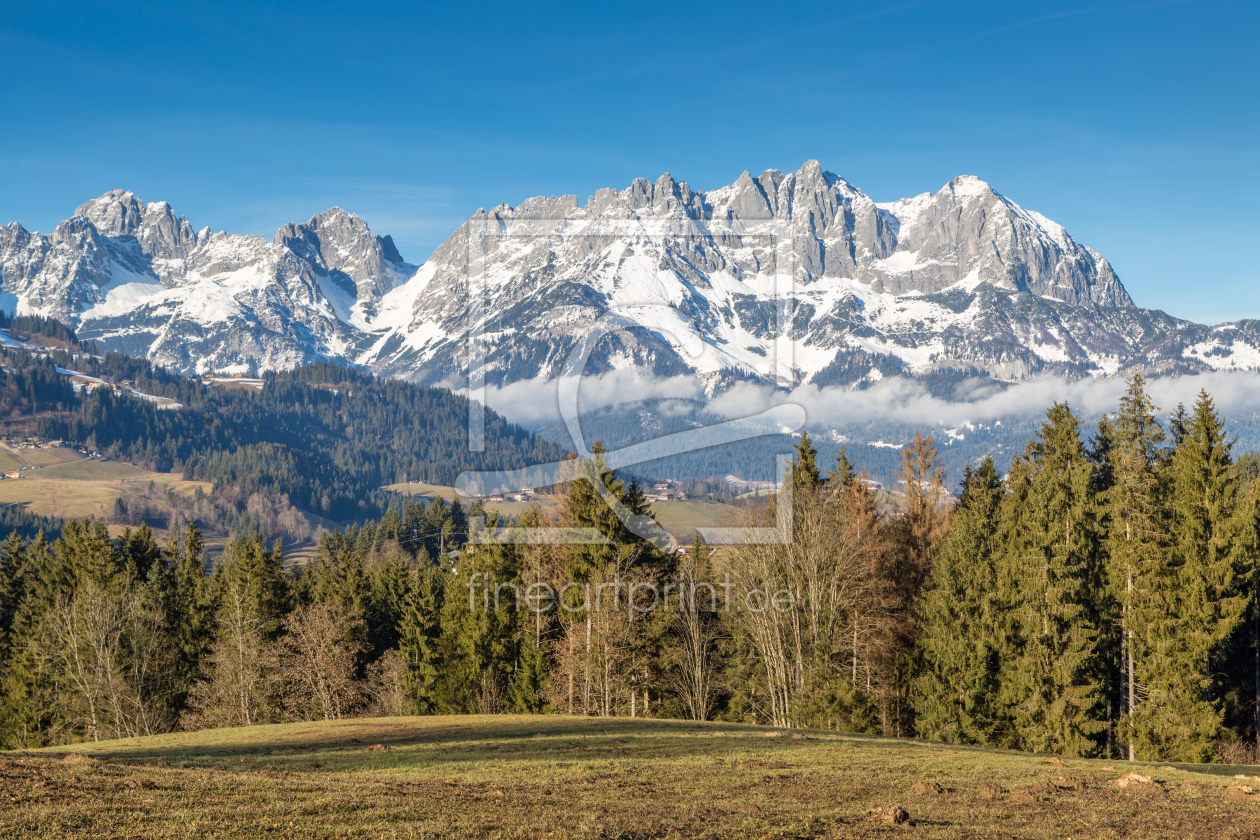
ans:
(1099, 599)
(324, 437)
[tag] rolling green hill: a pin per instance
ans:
(551, 776)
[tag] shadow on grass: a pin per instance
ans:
(448, 744)
(451, 741)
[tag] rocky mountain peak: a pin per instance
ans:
(961, 276)
(116, 213)
(340, 245)
(969, 186)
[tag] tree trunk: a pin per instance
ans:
(1129, 665)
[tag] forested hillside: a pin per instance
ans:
(39, 325)
(1098, 600)
(325, 436)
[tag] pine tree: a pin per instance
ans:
(529, 681)
(1053, 680)
(390, 583)
(842, 475)
(258, 574)
(252, 599)
(1198, 600)
(585, 506)
(419, 639)
(956, 692)
(1137, 525)
(190, 606)
(479, 628)
(27, 698)
(86, 552)
(1244, 663)
(803, 472)
(12, 559)
(138, 553)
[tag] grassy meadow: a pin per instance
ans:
(74, 488)
(563, 777)
(681, 519)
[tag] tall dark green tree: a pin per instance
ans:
(963, 625)
(1197, 598)
(803, 471)
(190, 607)
(590, 503)
(1138, 541)
(420, 633)
(1053, 679)
(256, 573)
(842, 474)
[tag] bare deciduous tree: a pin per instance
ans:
(808, 606)
(241, 670)
(387, 686)
(696, 628)
(104, 650)
(319, 657)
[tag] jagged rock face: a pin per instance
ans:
(137, 278)
(365, 266)
(963, 278)
(969, 232)
(550, 268)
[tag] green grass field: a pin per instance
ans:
(682, 519)
(419, 488)
(543, 776)
(90, 469)
(65, 499)
(46, 457)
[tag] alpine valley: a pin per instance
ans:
(959, 292)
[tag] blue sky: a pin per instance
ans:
(1133, 124)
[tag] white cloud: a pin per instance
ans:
(536, 402)
(906, 400)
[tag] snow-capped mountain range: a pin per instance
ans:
(963, 282)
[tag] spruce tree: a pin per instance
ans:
(478, 629)
(390, 587)
(956, 693)
(1198, 599)
(529, 679)
(1242, 688)
(1053, 680)
(585, 506)
(26, 696)
(803, 471)
(194, 606)
(257, 575)
(86, 551)
(419, 639)
(1137, 540)
(12, 558)
(842, 475)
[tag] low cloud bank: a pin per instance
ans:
(906, 400)
(537, 402)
